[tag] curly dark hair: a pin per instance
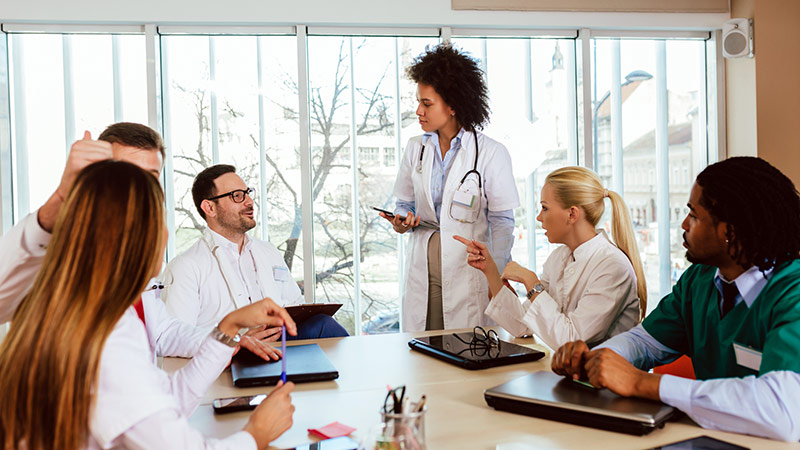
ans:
(458, 78)
(761, 207)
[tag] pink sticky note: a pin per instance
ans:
(332, 430)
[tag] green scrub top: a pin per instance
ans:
(688, 320)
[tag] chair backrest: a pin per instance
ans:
(681, 367)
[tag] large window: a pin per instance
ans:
(61, 86)
(331, 126)
(359, 99)
(650, 134)
(532, 92)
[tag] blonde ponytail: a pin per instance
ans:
(624, 237)
(579, 186)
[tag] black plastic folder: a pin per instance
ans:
(553, 397)
(304, 363)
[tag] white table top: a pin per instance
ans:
(457, 416)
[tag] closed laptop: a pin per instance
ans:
(553, 397)
(304, 363)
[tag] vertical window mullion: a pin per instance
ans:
(116, 45)
(6, 193)
(572, 102)
(69, 91)
(617, 183)
(662, 169)
(399, 154)
(354, 192)
(20, 139)
(584, 35)
(212, 74)
(309, 276)
(168, 180)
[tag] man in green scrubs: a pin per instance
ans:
(735, 311)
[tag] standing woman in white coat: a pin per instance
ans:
(590, 288)
(452, 180)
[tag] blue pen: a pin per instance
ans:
(283, 351)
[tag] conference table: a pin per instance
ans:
(457, 415)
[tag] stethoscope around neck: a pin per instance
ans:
(474, 164)
(472, 218)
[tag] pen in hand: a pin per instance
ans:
(283, 351)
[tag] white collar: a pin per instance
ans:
(588, 248)
(750, 283)
(221, 241)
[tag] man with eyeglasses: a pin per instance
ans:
(226, 269)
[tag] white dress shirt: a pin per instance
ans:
(139, 406)
(23, 249)
(212, 278)
(590, 294)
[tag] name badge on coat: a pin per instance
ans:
(747, 357)
(280, 273)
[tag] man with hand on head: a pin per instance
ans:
(227, 269)
(735, 311)
(23, 248)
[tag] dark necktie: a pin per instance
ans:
(729, 293)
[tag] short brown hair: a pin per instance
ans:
(203, 186)
(133, 135)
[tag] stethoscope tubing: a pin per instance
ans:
(474, 164)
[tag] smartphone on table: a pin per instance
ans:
(233, 404)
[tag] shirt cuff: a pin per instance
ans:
(34, 237)
(242, 440)
(677, 392)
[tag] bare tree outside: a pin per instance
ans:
(332, 173)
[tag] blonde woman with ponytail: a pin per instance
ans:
(590, 288)
(76, 368)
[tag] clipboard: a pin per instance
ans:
(300, 313)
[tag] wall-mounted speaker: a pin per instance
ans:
(737, 38)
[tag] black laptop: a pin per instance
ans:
(553, 397)
(304, 363)
(463, 350)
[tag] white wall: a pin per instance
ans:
(330, 12)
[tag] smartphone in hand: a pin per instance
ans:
(389, 214)
(233, 404)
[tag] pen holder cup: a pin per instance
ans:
(404, 431)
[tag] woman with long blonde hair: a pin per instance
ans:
(76, 331)
(590, 288)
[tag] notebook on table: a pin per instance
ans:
(304, 363)
(300, 313)
(553, 397)
(464, 351)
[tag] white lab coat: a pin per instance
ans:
(207, 282)
(464, 289)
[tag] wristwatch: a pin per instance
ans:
(537, 288)
(217, 334)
